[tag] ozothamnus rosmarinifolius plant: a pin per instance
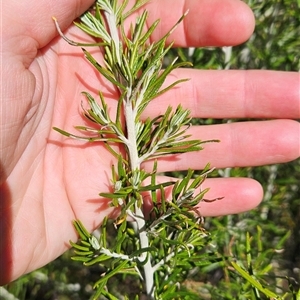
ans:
(161, 244)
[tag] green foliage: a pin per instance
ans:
(280, 41)
(159, 245)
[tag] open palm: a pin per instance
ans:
(47, 180)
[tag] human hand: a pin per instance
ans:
(47, 180)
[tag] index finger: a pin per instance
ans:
(208, 23)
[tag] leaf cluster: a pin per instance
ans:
(134, 65)
(175, 234)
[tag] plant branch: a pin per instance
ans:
(135, 67)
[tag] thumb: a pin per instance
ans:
(31, 21)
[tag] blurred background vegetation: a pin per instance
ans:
(264, 241)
